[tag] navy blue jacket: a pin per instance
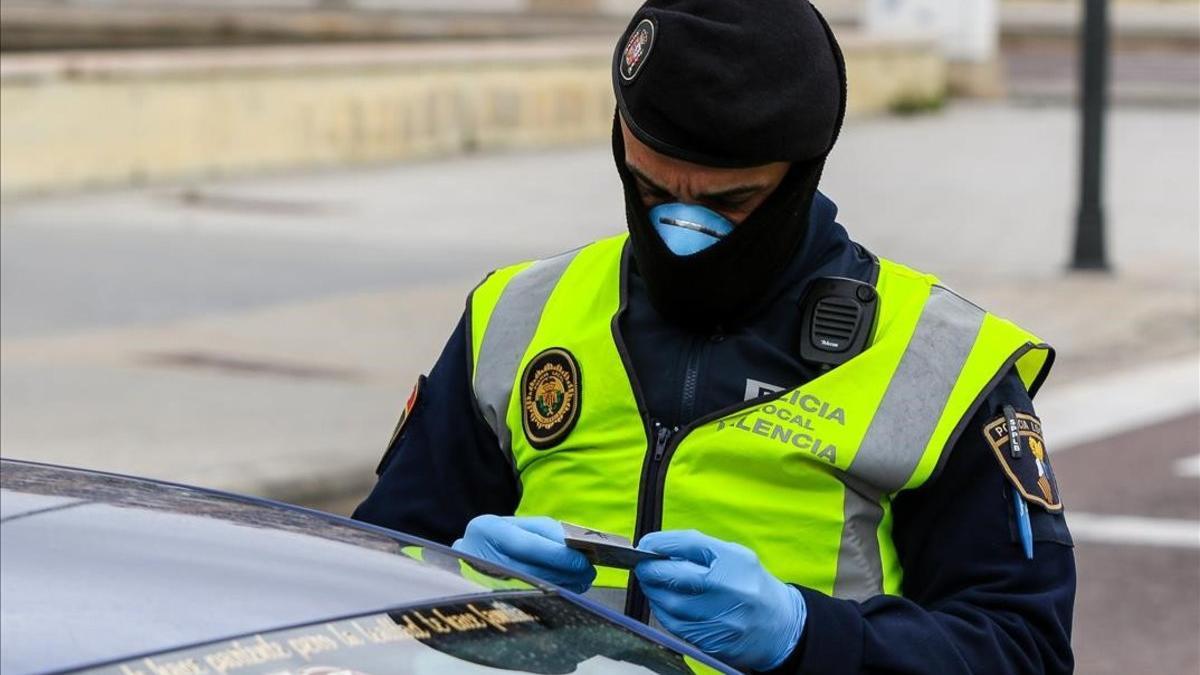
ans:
(971, 600)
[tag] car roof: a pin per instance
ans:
(96, 567)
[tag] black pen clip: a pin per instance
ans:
(1014, 437)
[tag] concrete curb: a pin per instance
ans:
(84, 119)
(1132, 94)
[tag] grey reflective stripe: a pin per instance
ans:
(917, 394)
(507, 336)
(612, 598)
(859, 565)
(901, 428)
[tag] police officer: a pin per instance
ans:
(838, 455)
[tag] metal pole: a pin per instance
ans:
(1089, 221)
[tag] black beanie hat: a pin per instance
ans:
(730, 83)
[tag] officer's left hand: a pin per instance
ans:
(717, 595)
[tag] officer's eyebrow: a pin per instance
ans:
(728, 194)
(733, 193)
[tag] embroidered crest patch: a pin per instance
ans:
(637, 49)
(1023, 457)
(405, 414)
(550, 395)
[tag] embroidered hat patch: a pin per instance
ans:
(637, 49)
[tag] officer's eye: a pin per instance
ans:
(652, 194)
(729, 203)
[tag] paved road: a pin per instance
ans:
(1138, 605)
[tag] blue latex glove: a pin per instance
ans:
(718, 596)
(533, 545)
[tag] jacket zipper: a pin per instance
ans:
(649, 515)
(662, 436)
(691, 377)
(657, 441)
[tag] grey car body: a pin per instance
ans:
(106, 571)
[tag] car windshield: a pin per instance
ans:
(522, 634)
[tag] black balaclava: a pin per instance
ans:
(727, 83)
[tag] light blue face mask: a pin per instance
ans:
(688, 228)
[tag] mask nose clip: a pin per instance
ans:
(687, 229)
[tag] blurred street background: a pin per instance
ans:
(233, 232)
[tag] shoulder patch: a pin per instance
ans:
(405, 414)
(1023, 457)
(551, 390)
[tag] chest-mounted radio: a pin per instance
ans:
(837, 316)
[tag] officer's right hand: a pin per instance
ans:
(533, 545)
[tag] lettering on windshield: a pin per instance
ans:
(305, 644)
(519, 633)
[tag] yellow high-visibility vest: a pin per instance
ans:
(804, 477)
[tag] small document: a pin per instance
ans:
(604, 548)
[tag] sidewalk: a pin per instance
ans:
(262, 335)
